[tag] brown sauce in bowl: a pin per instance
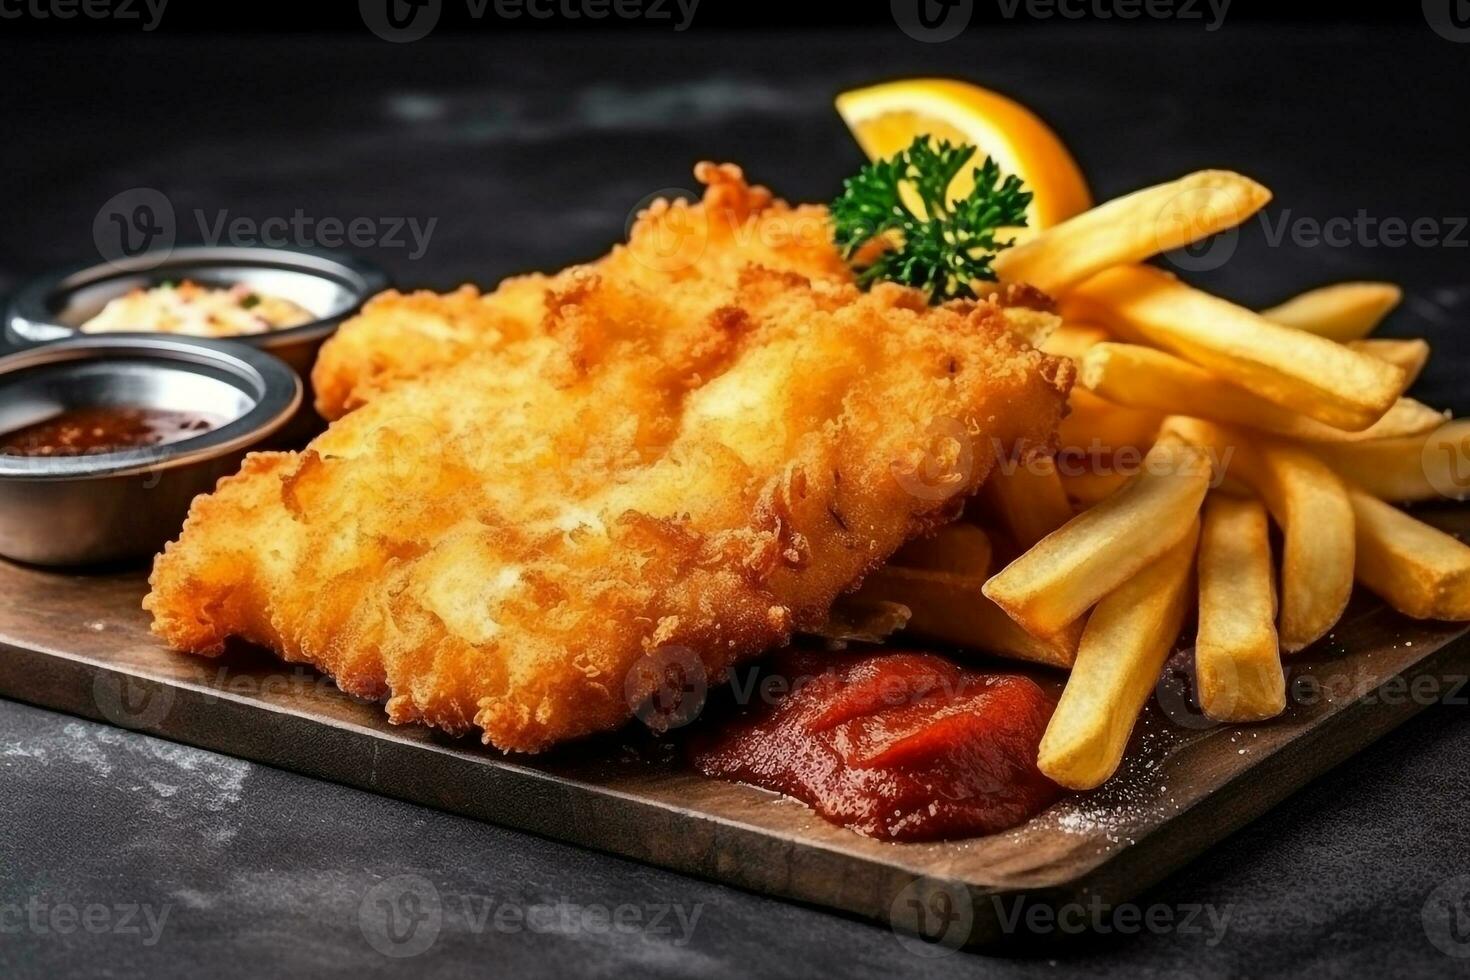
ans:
(92, 431)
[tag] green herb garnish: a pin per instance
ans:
(946, 247)
(249, 302)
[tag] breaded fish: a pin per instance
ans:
(692, 253)
(499, 543)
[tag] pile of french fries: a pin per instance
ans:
(1235, 420)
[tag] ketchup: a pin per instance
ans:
(898, 746)
(85, 431)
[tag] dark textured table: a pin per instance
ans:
(127, 856)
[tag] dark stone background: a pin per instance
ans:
(530, 149)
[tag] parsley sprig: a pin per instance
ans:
(947, 247)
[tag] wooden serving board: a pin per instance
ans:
(80, 644)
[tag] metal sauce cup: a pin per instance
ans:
(331, 285)
(123, 506)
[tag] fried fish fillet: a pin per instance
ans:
(500, 543)
(691, 252)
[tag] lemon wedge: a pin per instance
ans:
(885, 119)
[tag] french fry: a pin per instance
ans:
(1067, 572)
(1132, 228)
(1072, 339)
(1310, 504)
(961, 548)
(1028, 499)
(1094, 425)
(1342, 312)
(1288, 367)
(1144, 378)
(1429, 467)
(1232, 486)
(1087, 487)
(1419, 570)
(1237, 661)
(1410, 355)
(1124, 645)
(950, 609)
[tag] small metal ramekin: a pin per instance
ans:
(331, 285)
(122, 506)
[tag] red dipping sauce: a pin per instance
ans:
(87, 431)
(898, 746)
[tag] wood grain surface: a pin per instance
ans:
(80, 643)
